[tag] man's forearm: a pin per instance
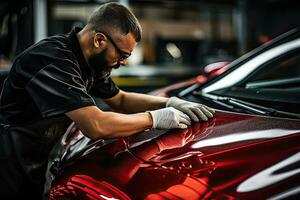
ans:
(95, 123)
(136, 102)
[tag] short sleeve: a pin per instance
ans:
(104, 88)
(58, 88)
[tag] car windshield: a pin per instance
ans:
(267, 84)
(262, 65)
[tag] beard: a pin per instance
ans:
(100, 65)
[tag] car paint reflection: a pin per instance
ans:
(180, 170)
(269, 176)
(244, 136)
(286, 194)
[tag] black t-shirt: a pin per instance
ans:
(47, 80)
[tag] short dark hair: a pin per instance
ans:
(115, 17)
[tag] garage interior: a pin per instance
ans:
(179, 37)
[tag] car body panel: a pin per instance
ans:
(224, 159)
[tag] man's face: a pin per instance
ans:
(101, 65)
(113, 55)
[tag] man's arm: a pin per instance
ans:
(95, 123)
(131, 102)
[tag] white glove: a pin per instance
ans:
(167, 118)
(195, 111)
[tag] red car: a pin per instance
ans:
(249, 150)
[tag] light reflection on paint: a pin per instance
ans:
(244, 136)
(165, 158)
(286, 194)
(190, 188)
(268, 177)
(107, 198)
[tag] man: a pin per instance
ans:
(50, 84)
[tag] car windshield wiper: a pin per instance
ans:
(230, 102)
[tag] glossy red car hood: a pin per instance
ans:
(232, 156)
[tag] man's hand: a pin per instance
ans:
(167, 118)
(195, 111)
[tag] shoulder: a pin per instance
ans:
(49, 49)
(52, 51)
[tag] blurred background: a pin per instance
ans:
(180, 37)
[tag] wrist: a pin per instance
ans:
(150, 120)
(170, 100)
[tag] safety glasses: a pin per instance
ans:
(123, 55)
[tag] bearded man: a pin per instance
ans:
(51, 84)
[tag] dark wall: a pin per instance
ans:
(16, 20)
(270, 18)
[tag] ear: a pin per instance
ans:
(99, 40)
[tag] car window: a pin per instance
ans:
(285, 67)
(242, 74)
(274, 84)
